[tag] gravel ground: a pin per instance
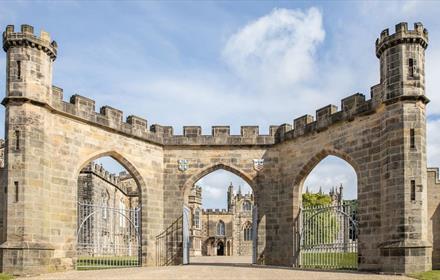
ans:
(212, 268)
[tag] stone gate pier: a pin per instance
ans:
(383, 137)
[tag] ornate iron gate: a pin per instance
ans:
(107, 237)
(328, 236)
(254, 234)
(169, 244)
(185, 228)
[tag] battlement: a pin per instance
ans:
(26, 37)
(119, 181)
(433, 172)
(112, 118)
(351, 107)
(419, 35)
(216, 212)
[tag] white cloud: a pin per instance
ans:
(213, 192)
(332, 172)
(277, 49)
(433, 149)
(215, 186)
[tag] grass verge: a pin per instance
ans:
(4, 276)
(428, 275)
(329, 260)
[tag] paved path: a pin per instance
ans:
(204, 268)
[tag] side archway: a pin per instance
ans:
(315, 160)
(120, 159)
(330, 219)
(99, 225)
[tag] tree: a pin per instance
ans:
(319, 224)
(315, 199)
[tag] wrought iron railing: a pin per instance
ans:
(107, 237)
(328, 236)
(169, 244)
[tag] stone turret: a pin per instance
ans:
(403, 141)
(402, 61)
(336, 195)
(29, 63)
(195, 197)
(230, 196)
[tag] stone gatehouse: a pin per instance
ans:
(50, 140)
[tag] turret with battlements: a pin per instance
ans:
(402, 61)
(29, 63)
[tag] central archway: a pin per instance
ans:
(220, 166)
(204, 193)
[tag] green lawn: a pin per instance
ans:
(4, 276)
(88, 263)
(429, 275)
(329, 260)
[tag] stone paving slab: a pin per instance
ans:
(220, 268)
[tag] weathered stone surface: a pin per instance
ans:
(48, 142)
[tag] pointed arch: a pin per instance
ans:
(220, 228)
(315, 160)
(246, 205)
(131, 169)
(247, 231)
(195, 177)
(246, 224)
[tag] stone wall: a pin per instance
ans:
(434, 215)
(48, 142)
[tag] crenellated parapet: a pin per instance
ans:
(351, 107)
(434, 172)
(124, 181)
(113, 119)
(26, 37)
(216, 212)
(84, 109)
(402, 35)
(192, 135)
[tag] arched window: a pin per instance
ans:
(221, 228)
(247, 232)
(197, 218)
(247, 206)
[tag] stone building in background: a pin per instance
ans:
(108, 207)
(221, 232)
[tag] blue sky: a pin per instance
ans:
(234, 63)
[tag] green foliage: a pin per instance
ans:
(90, 263)
(429, 275)
(315, 199)
(319, 227)
(4, 276)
